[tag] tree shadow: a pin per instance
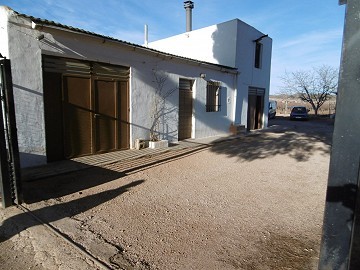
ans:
(18, 223)
(297, 140)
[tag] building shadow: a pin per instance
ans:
(297, 140)
(20, 222)
(67, 183)
(72, 177)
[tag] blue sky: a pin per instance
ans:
(305, 33)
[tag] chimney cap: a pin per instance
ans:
(188, 4)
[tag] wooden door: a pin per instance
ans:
(105, 116)
(251, 112)
(53, 106)
(111, 115)
(185, 109)
(86, 107)
(259, 112)
(255, 108)
(77, 116)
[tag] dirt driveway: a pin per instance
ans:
(255, 202)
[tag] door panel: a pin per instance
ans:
(259, 111)
(251, 112)
(53, 116)
(77, 116)
(106, 115)
(124, 129)
(255, 108)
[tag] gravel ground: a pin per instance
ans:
(255, 202)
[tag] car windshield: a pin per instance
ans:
(299, 110)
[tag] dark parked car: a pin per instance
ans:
(299, 113)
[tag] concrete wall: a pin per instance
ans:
(230, 43)
(26, 53)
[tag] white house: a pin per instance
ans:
(80, 93)
(235, 44)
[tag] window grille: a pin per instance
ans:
(213, 96)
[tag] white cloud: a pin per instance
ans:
(314, 39)
(304, 52)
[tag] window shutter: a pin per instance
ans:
(72, 66)
(62, 65)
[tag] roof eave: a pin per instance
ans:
(37, 22)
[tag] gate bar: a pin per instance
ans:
(10, 180)
(5, 182)
(14, 159)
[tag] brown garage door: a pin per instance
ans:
(185, 109)
(90, 114)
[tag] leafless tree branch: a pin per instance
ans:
(312, 86)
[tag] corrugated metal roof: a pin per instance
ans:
(44, 22)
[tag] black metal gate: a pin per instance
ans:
(10, 182)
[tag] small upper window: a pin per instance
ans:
(213, 96)
(258, 53)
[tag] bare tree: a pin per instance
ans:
(313, 86)
(159, 109)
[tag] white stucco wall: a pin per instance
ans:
(4, 44)
(230, 43)
(251, 76)
(25, 57)
(26, 53)
(214, 44)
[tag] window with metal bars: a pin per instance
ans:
(213, 96)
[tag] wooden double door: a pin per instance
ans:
(87, 115)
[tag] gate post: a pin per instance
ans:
(341, 230)
(10, 182)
